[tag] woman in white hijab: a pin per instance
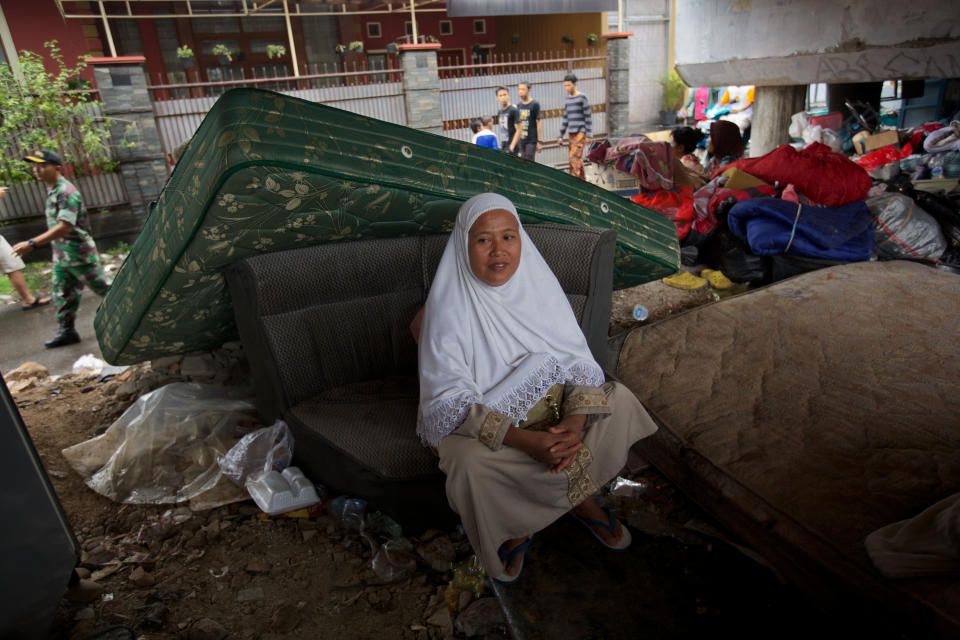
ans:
(511, 396)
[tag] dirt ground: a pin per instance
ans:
(229, 573)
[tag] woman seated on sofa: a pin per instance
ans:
(525, 427)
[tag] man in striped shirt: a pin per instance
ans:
(576, 122)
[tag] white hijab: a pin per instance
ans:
(504, 346)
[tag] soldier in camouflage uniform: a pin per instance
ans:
(76, 262)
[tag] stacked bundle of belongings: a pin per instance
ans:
(661, 182)
(760, 220)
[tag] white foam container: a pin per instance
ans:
(278, 492)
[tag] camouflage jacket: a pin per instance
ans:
(65, 204)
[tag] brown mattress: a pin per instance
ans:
(809, 413)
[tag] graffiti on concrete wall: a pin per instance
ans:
(871, 65)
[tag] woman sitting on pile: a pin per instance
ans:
(525, 427)
(724, 146)
(684, 141)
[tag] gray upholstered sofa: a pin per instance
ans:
(326, 331)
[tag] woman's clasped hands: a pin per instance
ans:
(557, 447)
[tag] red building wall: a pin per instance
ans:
(392, 26)
(33, 23)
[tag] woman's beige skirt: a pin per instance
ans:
(507, 494)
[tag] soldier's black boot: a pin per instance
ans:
(66, 335)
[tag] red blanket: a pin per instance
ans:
(827, 178)
(676, 205)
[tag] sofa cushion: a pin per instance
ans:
(384, 411)
(324, 346)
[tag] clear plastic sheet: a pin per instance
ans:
(165, 446)
(266, 449)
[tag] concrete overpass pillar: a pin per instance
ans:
(772, 109)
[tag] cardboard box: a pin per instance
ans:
(882, 139)
(858, 140)
(611, 179)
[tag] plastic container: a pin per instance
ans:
(277, 492)
(832, 120)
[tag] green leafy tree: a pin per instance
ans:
(44, 112)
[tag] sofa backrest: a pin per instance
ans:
(328, 315)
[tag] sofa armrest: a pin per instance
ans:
(271, 398)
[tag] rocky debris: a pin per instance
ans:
(206, 629)
(286, 617)
(153, 614)
(439, 553)
(221, 366)
(141, 579)
(23, 385)
(482, 617)
(199, 368)
(84, 591)
(257, 566)
(87, 613)
(441, 618)
(26, 371)
(253, 593)
(659, 299)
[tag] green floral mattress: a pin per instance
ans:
(267, 172)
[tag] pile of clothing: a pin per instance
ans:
(653, 163)
(763, 219)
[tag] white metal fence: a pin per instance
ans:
(377, 93)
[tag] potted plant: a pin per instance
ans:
(566, 39)
(515, 38)
(341, 49)
(674, 91)
(276, 51)
(239, 54)
(431, 39)
(223, 53)
(592, 40)
(356, 46)
(185, 53)
(392, 47)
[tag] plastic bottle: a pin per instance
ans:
(394, 559)
(936, 166)
(383, 525)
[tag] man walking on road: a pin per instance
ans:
(507, 118)
(576, 121)
(75, 259)
(530, 132)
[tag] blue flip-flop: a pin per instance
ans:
(507, 557)
(611, 526)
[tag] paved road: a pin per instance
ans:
(22, 334)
